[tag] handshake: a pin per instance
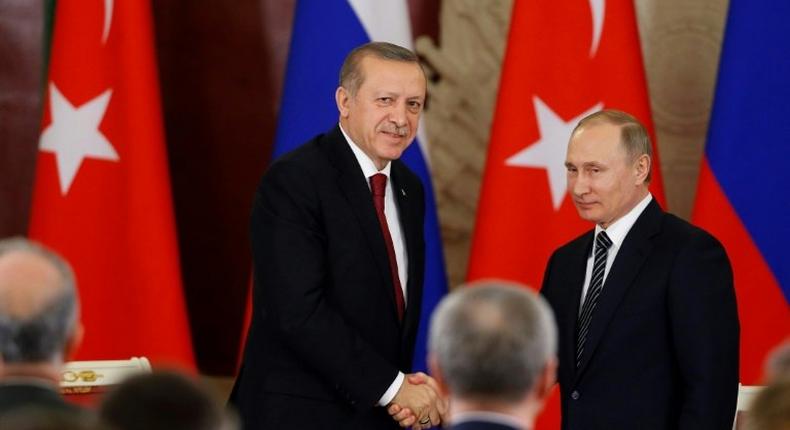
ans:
(418, 403)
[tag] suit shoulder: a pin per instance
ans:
(305, 161)
(307, 154)
(683, 232)
(573, 245)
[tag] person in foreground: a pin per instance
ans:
(39, 326)
(492, 350)
(338, 254)
(163, 401)
(644, 302)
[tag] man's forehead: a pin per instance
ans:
(378, 71)
(596, 137)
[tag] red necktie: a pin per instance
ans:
(378, 184)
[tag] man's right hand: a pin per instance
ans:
(417, 403)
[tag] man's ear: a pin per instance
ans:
(73, 342)
(546, 380)
(436, 373)
(342, 99)
(642, 165)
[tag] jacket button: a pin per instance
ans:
(575, 395)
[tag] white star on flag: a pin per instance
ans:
(549, 151)
(74, 134)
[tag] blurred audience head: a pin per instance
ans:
(163, 401)
(39, 308)
(48, 419)
(493, 347)
(770, 410)
(777, 366)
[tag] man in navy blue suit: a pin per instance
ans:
(645, 304)
(493, 352)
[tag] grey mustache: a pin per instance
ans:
(391, 128)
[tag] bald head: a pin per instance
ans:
(38, 303)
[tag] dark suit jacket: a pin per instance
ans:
(662, 348)
(14, 397)
(325, 341)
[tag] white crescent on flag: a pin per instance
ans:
(598, 9)
(108, 4)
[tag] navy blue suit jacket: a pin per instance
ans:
(662, 348)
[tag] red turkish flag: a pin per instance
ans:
(564, 60)
(102, 194)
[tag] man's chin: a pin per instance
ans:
(587, 215)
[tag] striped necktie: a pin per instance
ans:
(602, 244)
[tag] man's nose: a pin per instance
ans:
(579, 185)
(398, 114)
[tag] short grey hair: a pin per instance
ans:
(492, 339)
(633, 135)
(351, 76)
(39, 337)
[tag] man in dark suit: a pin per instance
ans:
(493, 351)
(338, 250)
(39, 326)
(645, 303)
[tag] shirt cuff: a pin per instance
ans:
(388, 395)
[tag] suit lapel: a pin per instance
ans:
(576, 281)
(354, 186)
(627, 264)
(409, 231)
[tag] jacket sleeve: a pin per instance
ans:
(705, 332)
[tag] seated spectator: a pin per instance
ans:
(39, 325)
(493, 351)
(163, 401)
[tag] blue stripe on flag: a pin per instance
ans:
(324, 32)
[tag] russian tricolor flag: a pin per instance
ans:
(324, 32)
(741, 197)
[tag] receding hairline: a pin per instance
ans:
(624, 122)
(29, 258)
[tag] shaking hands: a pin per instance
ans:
(418, 403)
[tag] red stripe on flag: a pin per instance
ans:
(762, 309)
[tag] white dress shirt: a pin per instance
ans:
(393, 223)
(617, 232)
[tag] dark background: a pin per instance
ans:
(221, 68)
